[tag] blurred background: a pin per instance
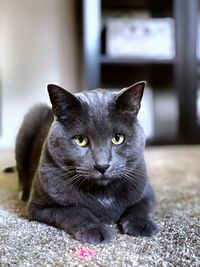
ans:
(87, 44)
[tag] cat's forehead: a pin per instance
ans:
(97, 97)
(97, 106)
(98, 101)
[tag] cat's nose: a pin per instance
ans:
(102, 168)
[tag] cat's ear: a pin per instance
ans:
(63, 103)
(128, 99)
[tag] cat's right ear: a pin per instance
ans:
(128, 99)
(64, 104)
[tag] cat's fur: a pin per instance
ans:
(29, 142)
(68, 191)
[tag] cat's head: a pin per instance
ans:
(96, 135)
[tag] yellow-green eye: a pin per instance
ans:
(118, 139)
(81, 140)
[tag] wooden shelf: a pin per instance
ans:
(181, 72)
(134, 61)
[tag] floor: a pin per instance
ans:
(175, 174)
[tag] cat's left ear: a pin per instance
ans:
(128, 99)
(64, 104)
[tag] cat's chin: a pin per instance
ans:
(103, 181)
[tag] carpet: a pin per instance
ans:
(174, 172)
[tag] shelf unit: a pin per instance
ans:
(180, 72)
(133, 61)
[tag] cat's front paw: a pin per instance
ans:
(139, 227)
(94, 234)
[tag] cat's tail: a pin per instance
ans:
(10, 169)
(29, 141)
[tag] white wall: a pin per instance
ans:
(37, 47)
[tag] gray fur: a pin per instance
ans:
(29, 142)
(69, 192)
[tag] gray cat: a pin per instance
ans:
(88, 165)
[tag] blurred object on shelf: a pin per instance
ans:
(124, 14)
(143, 38)
(198, 40)
(198, 105)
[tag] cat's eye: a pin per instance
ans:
(81, 140)
(118, 139)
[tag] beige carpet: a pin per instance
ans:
(175, 173)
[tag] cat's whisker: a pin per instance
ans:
(76, 181)
(78, 172)
(83, 180)
(68, 181)
(70, 173)
(88, 188)
(130, 173)
(65, 175)
(137, 186)
(77, 177)
(69, 169)
(122, 169)
(68, 176)
(137, 177)
(73, 180)
(76, 167)
(135, 171)
(127, 178)
(134, 178)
